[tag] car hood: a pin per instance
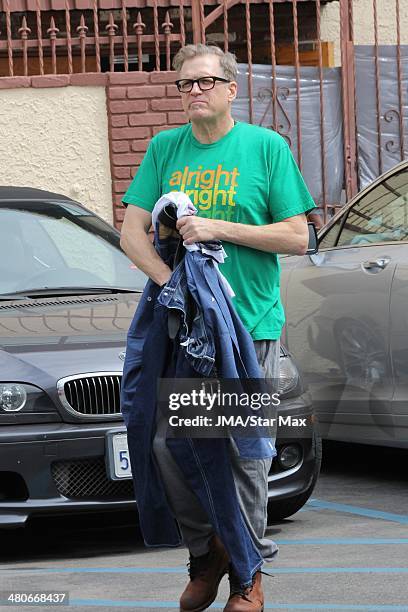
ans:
(42, 340)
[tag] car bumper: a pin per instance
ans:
(285, 483)
(57, 468)
(61, 468)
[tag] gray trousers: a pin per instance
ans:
(250, 477)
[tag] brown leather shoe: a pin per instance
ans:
(205, 576)
(245, 599)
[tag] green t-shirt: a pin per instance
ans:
(248, 176)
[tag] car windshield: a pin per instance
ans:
(47, 245)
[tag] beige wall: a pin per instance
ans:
(57, 139)
(363, 17)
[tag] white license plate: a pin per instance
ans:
(118, 456)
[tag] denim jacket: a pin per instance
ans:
(213, 341)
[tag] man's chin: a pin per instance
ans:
(198, 114)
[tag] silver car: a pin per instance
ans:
(347, 316)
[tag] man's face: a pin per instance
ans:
(206, 106)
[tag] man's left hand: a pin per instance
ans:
(196, 229)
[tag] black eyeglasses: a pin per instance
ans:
(204, 83)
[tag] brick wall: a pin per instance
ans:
(140, 104)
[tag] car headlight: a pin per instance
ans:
(13, 397)
(289, 378)
(23, 403)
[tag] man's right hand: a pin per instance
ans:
(138, 247)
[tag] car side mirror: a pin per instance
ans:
(313, 245)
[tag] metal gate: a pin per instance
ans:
(372, 61)
(309, 55)
(375, 78)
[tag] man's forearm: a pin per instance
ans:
(143, 254)
(279, 237)
(288, 236)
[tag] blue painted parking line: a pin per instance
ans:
(337, 541)
(182, 570)
(377, 514)
(276, 606)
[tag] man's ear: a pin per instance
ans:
(232, 90)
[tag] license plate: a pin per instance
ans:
(118, 461)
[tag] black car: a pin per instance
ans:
(67, 296)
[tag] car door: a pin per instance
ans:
(338, 316)
(399, 317)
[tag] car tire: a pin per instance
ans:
(283, 508)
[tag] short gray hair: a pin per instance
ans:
(228, 62)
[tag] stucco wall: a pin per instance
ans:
(363, 17)
(57, 139)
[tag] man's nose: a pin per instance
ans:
(195, 89)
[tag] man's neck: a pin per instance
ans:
(207, 133)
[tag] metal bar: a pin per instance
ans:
(95, 396)
(89, 396)
(168, 66)
(399, 80)
(96, 34)
(167, 26)
(104, 394)
(68, 29)
(68, 394)
(98, 395)
(52, 31)
(377, 87)
(9, 39)
(273, 62)
(225, 23)
(322, 139)
(83, 407)
(139, 27)
(217, 12)
(125, 37)
(109, 388)
(104, 40)
(114, 392)
(111, 28)
(21, 5)
(156, 34)
(297, 73)
(24, 31)
(76, 404)
(82, 29)
(351, 60)
(202, 17)
(182, 24)
(39, 38)
(249, 51)
(196, 21)
(348, 97)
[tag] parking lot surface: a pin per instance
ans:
(347, 549)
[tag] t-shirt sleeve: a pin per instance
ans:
(144, 190)
(288, 194)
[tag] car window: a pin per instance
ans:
(42, 249)
(81, 250)
(380, 216)
(330, 237)
(54, 246)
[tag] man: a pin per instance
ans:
(250, 195)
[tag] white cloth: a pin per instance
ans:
(186, 207)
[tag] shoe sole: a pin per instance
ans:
(209, 601)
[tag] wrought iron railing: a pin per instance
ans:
(55, 37)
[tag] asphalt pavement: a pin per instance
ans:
(347, 549)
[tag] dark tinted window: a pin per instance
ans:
(380, 216)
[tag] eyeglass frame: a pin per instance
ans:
(192, 81)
